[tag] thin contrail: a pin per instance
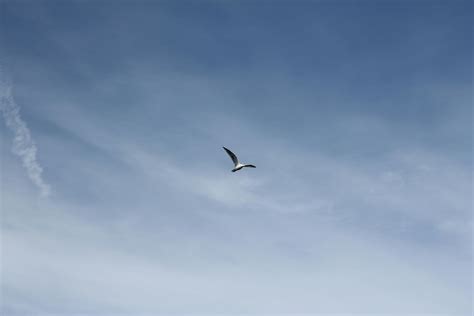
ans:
(23, 144)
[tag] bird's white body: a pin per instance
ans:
(240, 166)
(237, 164)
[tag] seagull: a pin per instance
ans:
(237, 164)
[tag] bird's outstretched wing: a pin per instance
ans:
(251, 166)
(232, 156)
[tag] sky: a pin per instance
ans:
(117, 198)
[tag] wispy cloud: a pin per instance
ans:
(23, 144)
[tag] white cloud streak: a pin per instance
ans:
(23, 144)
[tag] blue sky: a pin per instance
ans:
(117, 197)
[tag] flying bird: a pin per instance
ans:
(237, 164)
